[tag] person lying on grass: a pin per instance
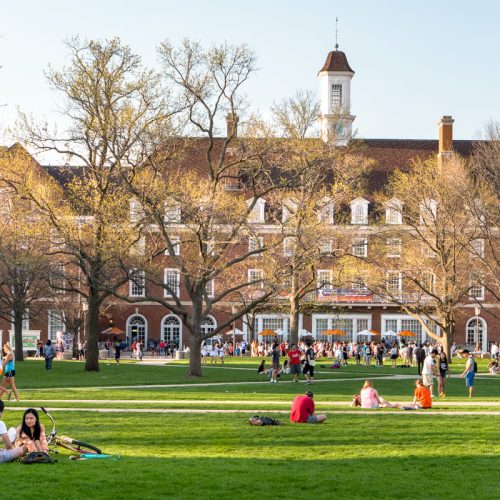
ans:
(369, 398)
(31, 433)
(422, 399)
(303, 410)
(10, 453)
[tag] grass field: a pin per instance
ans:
(384, 454)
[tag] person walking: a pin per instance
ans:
(294, 356)
(470, 371)
(49, 352)
(118, 348)
(419, 358)
(9, 373)
(275, 362)
(309, 364)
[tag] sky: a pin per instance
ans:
(414, 60)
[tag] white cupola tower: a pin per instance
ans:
(335, 82)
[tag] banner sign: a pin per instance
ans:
(29, 340)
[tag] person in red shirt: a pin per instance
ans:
(303, 410)
(294, 356)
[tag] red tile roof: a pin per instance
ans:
(336, 60)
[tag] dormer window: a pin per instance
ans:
(326, 212)
(136, 211)
(359, 211)
(394, 212)
(288, 209)
(257, 212)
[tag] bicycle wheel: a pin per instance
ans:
(77, 446)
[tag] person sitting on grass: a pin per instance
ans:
(369, 398)
(303, 410)
(10, 453)
(422, 397)
(493, 367)
(31, 433)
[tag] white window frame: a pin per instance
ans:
(172, 271)
(359, 211)
(257, 214)
(399, 318)
(176, 244)
(172, 214)
(139, 247)
(332, 318)
(394, 244)
(336, 95)
(428, 211)
(326, 213)
(324, 279)
(288, 244)
(394, 212)
(135, 290)
(476, 291)
(210, 288)
(477, 248)
(52, 324)
(360, 247)
(136, 211)
(396, 291)
(255, 243)
(256, 276)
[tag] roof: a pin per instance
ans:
(336, 60)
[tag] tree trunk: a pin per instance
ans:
(18, 335)
(446, 341)
(92, 336)
(294, 319)
(194, 354)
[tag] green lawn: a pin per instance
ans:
(386, 454)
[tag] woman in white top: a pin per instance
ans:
(222, 353)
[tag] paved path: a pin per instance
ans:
(249, 412)
(436, 403)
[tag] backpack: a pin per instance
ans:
(259, 421)
(475, 366)
(38, 457)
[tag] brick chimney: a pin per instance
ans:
(232, 120)
(445, 127)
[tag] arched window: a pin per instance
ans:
(172, 330)
(137, 329)
(476, 334)
(208, 325)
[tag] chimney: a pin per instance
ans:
(232, 120)
(445, 127)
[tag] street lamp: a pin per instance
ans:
(477, 310)
(85, 308)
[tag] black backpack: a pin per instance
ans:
(37, 457)
(257, 420)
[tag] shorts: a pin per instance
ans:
(394, 356)
(10, 374)
(469, 379)
(295, 369)
(8, 455)
(312, 419)
(276, 365)
(427, 379)
(308, 369)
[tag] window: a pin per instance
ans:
(172, 213)
(428, 211)
(427, 250)
(57, 280)
(336, 95)
(326, 213)
(137, 283)
(56, 325)
(172, 283)
(394, 247)
(276, 324)
(208, 325)
(256, 276)
(476, 333)
(26, 320)
(359, 211)
(210, 288)
(257, 213)
(476, 292)
(137, 328)
(176, 244)
(359, 285)
(288, 209)
(325, 279)
(393, 212)
(360, 248)
(136, 211)
(288, 246)
(394, 282)
(255, 243)
(477, 248)
(138, 247)
(427, 281)
(172, 330)
(326, 246)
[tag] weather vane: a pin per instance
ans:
(336, 33)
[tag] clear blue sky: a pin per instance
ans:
(414, 60)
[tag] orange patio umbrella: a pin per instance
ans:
(374, 332)
(339, 333)
(267, 333)
(406, 333)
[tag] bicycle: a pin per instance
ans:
(53, 440)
